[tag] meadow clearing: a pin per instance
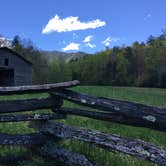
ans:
(149, 96)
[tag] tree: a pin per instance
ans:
(29, 52)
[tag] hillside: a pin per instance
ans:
(51, 55)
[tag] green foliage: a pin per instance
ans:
(59, 71)
(121, 69)
(28, 51)
(139, 65)
(142, 64)
(44, 71)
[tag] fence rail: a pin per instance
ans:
(112, 110)
(123, 111)
(133, 147)
(37, 88)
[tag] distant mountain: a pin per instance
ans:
(68, 57)
(50, 55)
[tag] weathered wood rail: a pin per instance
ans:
(44, 141)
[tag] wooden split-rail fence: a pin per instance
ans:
(43, 142)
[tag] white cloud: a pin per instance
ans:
(71, 47)
(88, 39)
(70, 24)
(90, 45)
(108, 40)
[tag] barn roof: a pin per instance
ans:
(15, 53)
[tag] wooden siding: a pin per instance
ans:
(22, 69)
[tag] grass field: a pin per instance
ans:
(156, 97)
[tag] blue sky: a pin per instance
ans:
(82, 25)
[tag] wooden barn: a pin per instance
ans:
(14, 69)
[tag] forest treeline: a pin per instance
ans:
(142, 64)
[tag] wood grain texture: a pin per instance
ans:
(115, 143)
(36, 88)
(22, 139)
(129, 113)
(9, 106)
(65, 156)
(30, 117)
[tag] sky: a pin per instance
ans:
(82, 25)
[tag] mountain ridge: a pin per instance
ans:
(68, 57)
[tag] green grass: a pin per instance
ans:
(156, 97)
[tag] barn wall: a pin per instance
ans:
(22, 70)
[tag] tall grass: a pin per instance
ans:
(156, 97)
